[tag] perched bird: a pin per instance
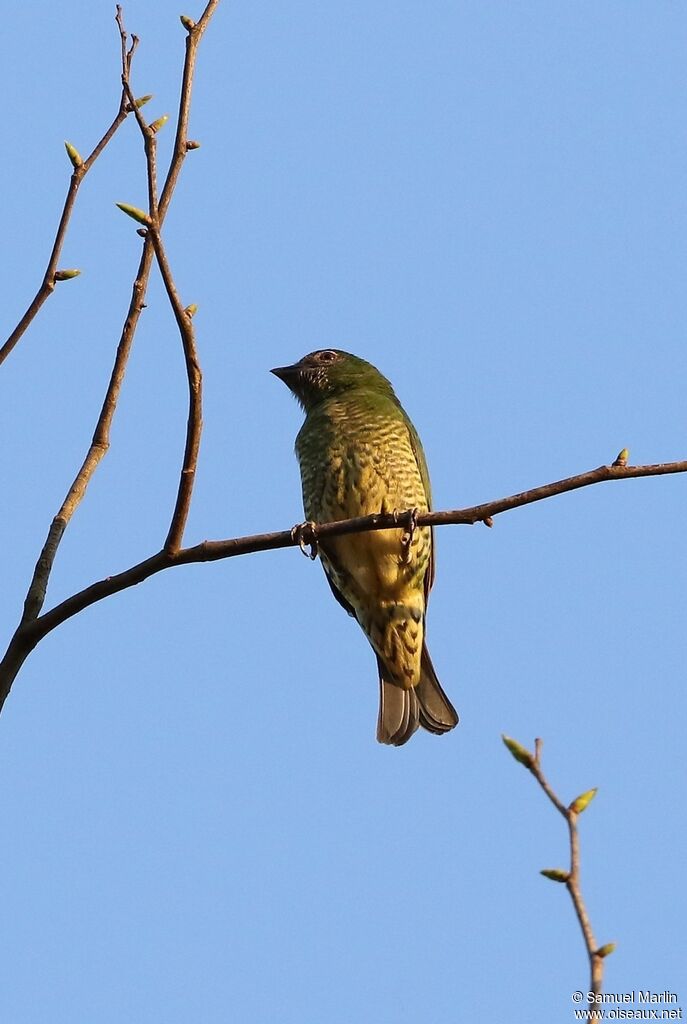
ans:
(359, 455)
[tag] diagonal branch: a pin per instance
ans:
(32, 630)
(80, 171)
(194, 35)
(101, 436)
(194, 424)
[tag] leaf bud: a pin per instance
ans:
(583, 801)
(555, 874)
(135, 213)
(156, 125)
(518, 751)
(74, 155)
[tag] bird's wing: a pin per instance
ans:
(424, 474)
(338, 595)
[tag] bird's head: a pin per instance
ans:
(327, 373)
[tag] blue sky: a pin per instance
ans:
(488, 202)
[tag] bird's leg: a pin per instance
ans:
(409, 520)
(305, 535)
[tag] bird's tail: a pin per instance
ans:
(401, 711)
(437, 713)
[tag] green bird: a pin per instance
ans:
(359, 455)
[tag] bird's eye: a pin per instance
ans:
(327, 356)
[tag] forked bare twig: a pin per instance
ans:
(569, 877)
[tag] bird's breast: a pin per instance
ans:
(356, 463)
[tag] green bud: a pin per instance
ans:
(135, 213)
(142, 100)
(518, 751)
(604, 951)
(156, 125)
(74, 155)
(66, 275)
(583, 801)
(191, 310)
(622, 458)
(555, 874)
(188, 23)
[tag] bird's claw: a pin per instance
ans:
(409, 520)
(305, 535)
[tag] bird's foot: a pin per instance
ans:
(305, 535)
(409, 520)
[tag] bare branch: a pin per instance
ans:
(181, 146)
(98, 447)
(615, 471)
(194, 424)
(183, 317)
(101, 436)
(49, 278)
(571, 877)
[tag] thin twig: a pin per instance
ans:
(32, 632)
(571, 878)
(48, 283)
(149, 141)
(193, 39)
(194, 424)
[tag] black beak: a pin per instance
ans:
(286, 373)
